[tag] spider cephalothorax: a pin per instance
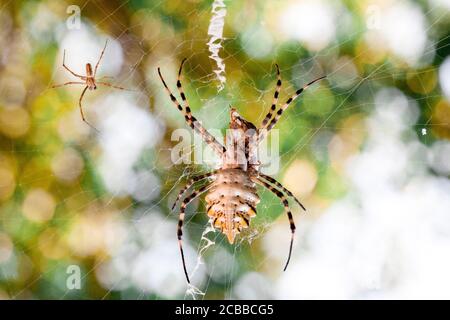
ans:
(232, 196)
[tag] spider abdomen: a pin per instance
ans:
(231, 201)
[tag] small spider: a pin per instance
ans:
(89, 80)
(232, 196)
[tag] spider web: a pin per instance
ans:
(139, 258)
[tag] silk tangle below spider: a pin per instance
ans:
(89, 80)
(231, 195)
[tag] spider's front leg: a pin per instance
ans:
(100, 59)
(68, 69)
(267, 126)
(190, 119)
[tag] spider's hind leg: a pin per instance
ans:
(279, 185)
(285, 202)
(66, 83)
(190, 183)
(81, 110)
(185, 203)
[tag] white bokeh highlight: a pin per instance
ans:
(444, 77)
(402, 28)
(126, 130)
(149, 260)
(389, 237)
(310, 22)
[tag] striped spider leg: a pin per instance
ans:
(266, 125)
(231, 194)
(208, 138)
(190, 119)
(266, 181)
(89, 80)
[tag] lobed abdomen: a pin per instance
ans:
(231, 201)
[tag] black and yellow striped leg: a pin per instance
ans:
(181, 91)
(185, 203)
(279, 185)
(190, 183)
(191, 120)
(285, 202)
(288, 102)
(280, 111)
(275, 99)
(207, 137)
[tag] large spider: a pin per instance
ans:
(232, 196)
(89, 80)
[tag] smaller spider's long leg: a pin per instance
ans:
(283, 199)
(275, 99)
(101, 56)
(280, 111)
(81, 110)
(192, 121)
(67, 68)
(105, 77)
(112, 86)
(185, 203)
(190, 183)
(67, 83)
(279, 185)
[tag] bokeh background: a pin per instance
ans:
(367, 150)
